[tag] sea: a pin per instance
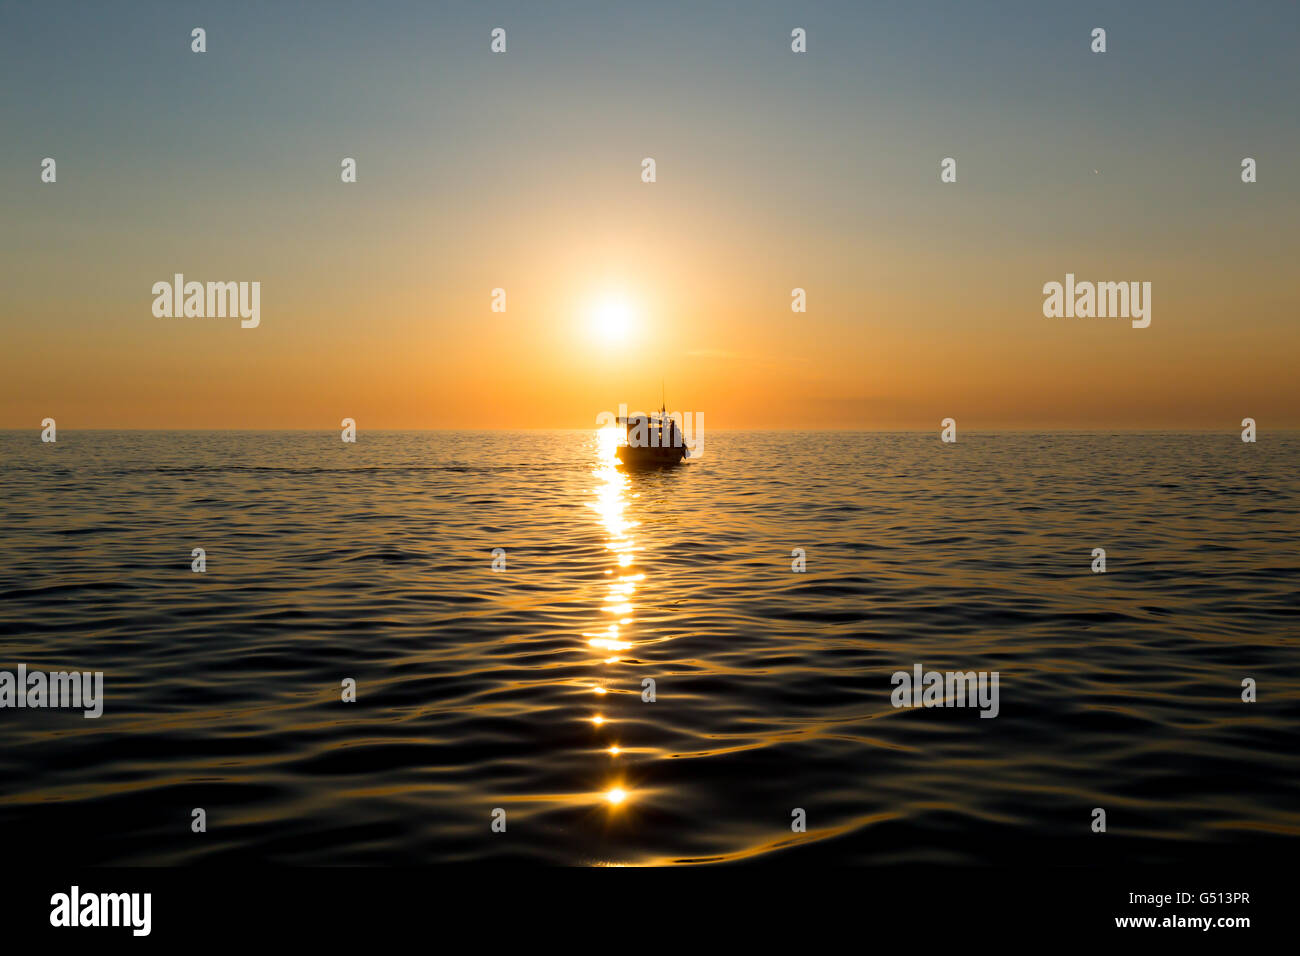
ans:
(502, 647)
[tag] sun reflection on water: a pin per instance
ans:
(611, 504)
(612, 494)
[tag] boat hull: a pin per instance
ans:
(650, 457)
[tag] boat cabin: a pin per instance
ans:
(652, 439)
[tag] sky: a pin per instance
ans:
(774, 171)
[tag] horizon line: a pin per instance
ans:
(965, 430)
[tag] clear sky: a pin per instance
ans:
(775, 170)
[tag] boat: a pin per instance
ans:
(653, 441)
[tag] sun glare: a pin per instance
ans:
(611, 320)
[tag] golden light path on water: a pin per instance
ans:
(612, 494)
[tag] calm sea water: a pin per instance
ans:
(480, 689)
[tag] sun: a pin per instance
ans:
(612, 320)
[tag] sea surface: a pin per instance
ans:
(481, 690)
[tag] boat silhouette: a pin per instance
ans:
(653, 441)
